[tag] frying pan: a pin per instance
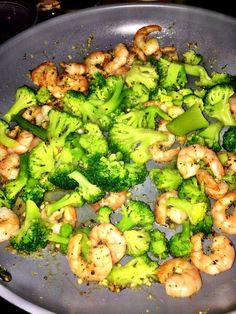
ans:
(46, 284)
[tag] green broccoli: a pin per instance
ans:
(192, 191)
(191, 99)
(229, 139)
(4, 202)
(65, 232)
(172, 75)
(205, 226)
(134, 96)
(44, 96)
(134, 143)
(137, 242)
(195, 211)
(192, 119)
(103, 214)
(166, 179)
(138, 271)
(209, 137)
(158, 244)
(25, 98)
(144, 73)
(59, 177)
(13, 187)
(4, 138)
(216, 103)
(180, 244)
(33, 190)
(191, 57)
(136, 214)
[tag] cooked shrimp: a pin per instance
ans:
(111, 236)
(219, 260)
(9, 167)
(181, 278)
(96, 61)
(3, 152)
(38, 115)
(24, 140)
(189, 157)
(226, 223)
(9, 224)
(74, 68)
(98, 265)
(232, 103)
(148, 46)
(212, 188)
(160, 151)
(162, 211)
(121, 55)
(114, 200)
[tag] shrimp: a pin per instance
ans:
(158, 151)
(96, 61)
(121, 55)
(162, 211)
(232, 103)
(181, 278)
(111, 236)
(24, 141)
(3, 152)
(74, 68)
(219, 260)
(226, 223)
(9, 167)
(114, 200)
(148, 46)
(38, 115)
(98, 264)
(9, 224)
(212, 188)
(189, 157)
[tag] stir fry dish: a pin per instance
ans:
(91, 133)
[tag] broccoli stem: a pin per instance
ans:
(37, 131)
(114, 101)
(192, 119)
(57, 238)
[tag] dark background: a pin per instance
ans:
(225, 7)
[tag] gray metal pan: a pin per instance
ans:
(46, 285)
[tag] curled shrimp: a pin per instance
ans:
(212, 188)
(219, 260)
(147, 46)
(24, 141)
(121, 55)
(74, 68)
(189, 157)
(114, 200)
(9, 167)
(96, 61)
(38, 115)
(111, 236)
(98, 264)
(181, 278)
(232, 104)
(226, 223)
(162, 211)
(9, 224)
(160, 151)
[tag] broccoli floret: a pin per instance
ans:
(229, 139)
(144, 73)
(166, 179)
(191, 99)
(204, 79)
(26, 125)
(209, 137)
(25, 98)
(111, 173)
(230, 179)
(192, 119)
(4, 138)
(61, 124)
(103, 214)
(43, 95)
(34, 191)
(205, 226)
(137, 242)
(191, 57)
(134, 96)
(59, 177)
(136, 214)
(180, 244)
(134, 143)
(172, 74)
(158, 244)
(138, 271)
(93, 140)
(13, 187)
(195, 211)
(191, 191)
(4, 202)
(41, 160)
(216, 103)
